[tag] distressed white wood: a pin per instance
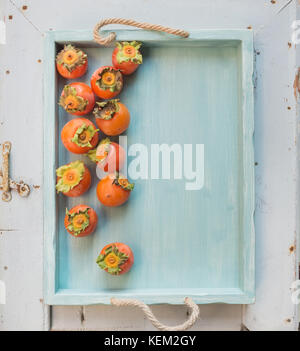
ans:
(275, 134)
(21, 219)
(213, 317)
(276, 177)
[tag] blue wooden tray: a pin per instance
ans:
(186, 243)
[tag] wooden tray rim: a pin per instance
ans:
(207, 37)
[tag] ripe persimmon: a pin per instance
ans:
(116, 258)
(73, 179)
(114, 190)
(112, 117)
(79, 135)
(81, 220)
(77, 99)
(71, 62)
(127, 57)
(108, 155)
(107, 82)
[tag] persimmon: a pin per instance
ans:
(112, 117)
(77, 99)
(115, 258)
(73, 179)
(107, 82)
(81, 220)
(71, 62)
(114, 190)
(108, 155)
(127, 57)
(79, 135)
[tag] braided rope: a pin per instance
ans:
(111, 36)
(149, 314)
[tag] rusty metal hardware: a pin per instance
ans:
(7, 184)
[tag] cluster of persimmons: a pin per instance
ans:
(81, 136)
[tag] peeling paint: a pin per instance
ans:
(292, 249)
(296, 84)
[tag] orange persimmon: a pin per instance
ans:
(79, 135)
(71, 62)
(127, 57)
(73, 179)
(77, 99)
(107, 82)
(81, 220)
(114, 190)
(116, 258)
(112, 117)
(108, 155)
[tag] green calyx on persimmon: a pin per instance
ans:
(69, 176)
(123, 182)
(84, 135)
(110, 79)
(71, 57)
(106, 109)
(112, 260)
(104, 145)
(129, 52)
(92, 155)
(71, 101)
(79, 221)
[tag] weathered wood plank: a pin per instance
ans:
(213, 317)
(277, 175)
(21, 234)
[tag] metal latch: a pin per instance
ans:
(7, 184)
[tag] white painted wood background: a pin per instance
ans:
(276, 154)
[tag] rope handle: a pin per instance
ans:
(195, 313)
(144, 25)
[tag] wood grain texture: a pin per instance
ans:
(222, 317)
(186, 243)
(21, 220)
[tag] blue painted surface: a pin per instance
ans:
(186, 243)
